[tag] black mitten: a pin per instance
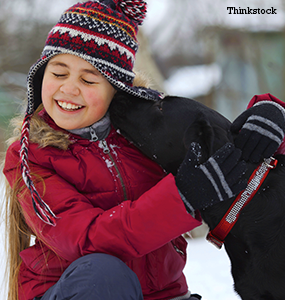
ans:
(218, 179)
(260, 130)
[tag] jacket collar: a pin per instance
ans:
(95, 132)
(98, 131)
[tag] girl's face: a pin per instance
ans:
(74, 93)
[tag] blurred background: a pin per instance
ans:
(189, 48)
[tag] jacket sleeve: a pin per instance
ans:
(129, 230)
(269, 97)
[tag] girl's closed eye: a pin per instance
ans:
(58, 75)
(89, 82)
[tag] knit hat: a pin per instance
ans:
(103, 33)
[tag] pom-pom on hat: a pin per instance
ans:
(103, 33)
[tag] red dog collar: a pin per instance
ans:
(219, 233)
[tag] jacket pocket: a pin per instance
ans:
(165, 265)
(180, 246)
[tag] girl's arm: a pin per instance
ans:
(128, 230)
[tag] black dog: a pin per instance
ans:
(164, 130)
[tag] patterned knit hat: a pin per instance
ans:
(103, 33)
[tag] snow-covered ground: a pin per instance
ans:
(208, 271)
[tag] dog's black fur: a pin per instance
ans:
(164, 131)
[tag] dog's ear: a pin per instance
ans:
(201, 131)
(210, 135)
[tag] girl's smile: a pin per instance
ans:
(74, 93)
(67, 106)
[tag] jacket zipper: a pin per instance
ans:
(106, 150)
(178, 250)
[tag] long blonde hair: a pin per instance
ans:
(18, 234)
(18, 237)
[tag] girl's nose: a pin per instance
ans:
(70, 88)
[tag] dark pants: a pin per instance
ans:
(96, 276)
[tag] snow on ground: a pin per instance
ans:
(208, 271)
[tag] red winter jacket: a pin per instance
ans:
(120, 203)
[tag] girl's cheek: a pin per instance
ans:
(47, 95)
(48, 88)
(91, 97)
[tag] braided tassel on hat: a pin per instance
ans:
(40, 207)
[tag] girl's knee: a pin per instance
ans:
(102, 276)
(98, 265)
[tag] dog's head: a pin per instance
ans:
(164, 129)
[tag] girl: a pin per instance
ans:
(107, 220)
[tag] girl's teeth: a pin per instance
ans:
(68, 106)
